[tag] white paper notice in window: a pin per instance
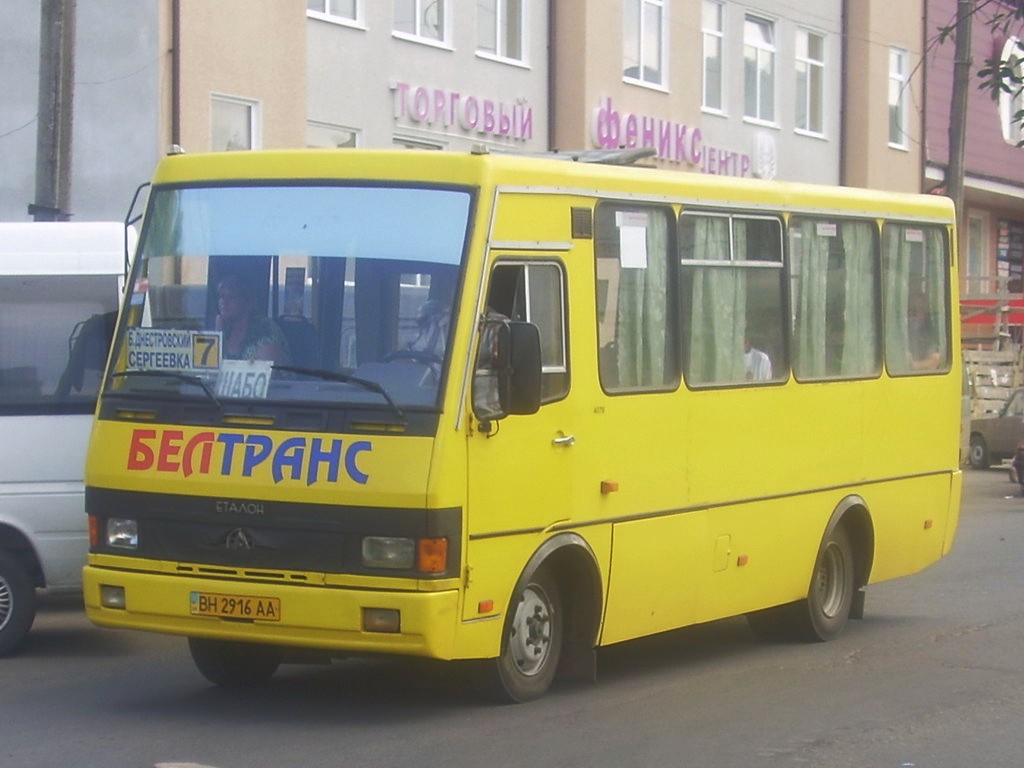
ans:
(632, 239)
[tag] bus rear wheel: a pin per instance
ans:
(827, 607)
(824, 612)
(234, 665)
(17, 604)
(532, 643)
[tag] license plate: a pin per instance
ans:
(235, 606)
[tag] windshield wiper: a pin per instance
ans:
(344, 378)
(185, 377)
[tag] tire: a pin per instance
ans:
(17, 604)
(823, 614)
(531, 645)
(234, 665)
(978, 456)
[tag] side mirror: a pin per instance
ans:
(508, 371)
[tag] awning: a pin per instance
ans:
(973, 311)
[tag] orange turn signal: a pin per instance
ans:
(432, 555)
(94, 531)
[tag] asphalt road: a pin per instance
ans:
(931, 678)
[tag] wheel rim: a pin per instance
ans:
(6, 603)
(830, 581)
(976, 452)
(530, 639)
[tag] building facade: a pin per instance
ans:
(883, 91)
(992, 234)
(828, 91)
(446, 74)
(116, 123)
(748, 89)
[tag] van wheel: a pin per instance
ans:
(978, 456)
(17, 603)
(823, 614)
(235, 665)
(532, 644)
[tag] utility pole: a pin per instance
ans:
(958, 109)
(56, 102)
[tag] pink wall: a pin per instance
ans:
(987, 154)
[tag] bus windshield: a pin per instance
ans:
(334, 296)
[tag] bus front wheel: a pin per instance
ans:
(234, 665)
(532, 643)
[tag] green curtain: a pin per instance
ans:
(860, 339)
(810, 271)
(642, 318)
(718, 304)
(897, 282)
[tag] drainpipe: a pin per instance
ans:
(844, 64)
(176, 72)
(552, 101)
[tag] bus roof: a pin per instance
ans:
(554, 171)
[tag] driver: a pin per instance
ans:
(432, 324)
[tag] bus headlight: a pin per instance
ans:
(389, 552)
(122, 533)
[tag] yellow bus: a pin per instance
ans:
(513, 409)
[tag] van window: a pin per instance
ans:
(55, 331)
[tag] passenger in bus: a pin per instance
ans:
(922, 341)
(757, 364)
(248, 334)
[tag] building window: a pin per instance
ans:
(407, 142)
(234, 124)
(898, 83)
(713, 32)
(1011, 101)
(335, 10)
(977, 256)
(327, 136)
(643, 50)
(759, 69)
(810, 82)
(501, 29)
(422, 19)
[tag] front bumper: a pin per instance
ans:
(311, 616)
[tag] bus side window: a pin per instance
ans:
(915, 261)
(535, 293)
(834, 274)
(732, 299)
(637, 342)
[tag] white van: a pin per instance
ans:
(60, 285)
